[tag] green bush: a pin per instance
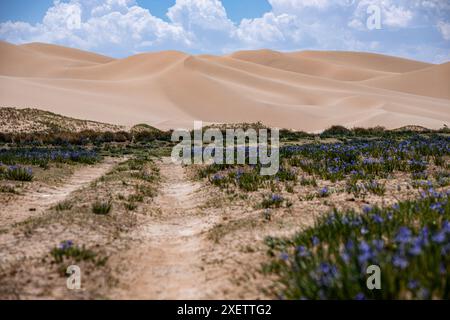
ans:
(18, 173)
(102, 207)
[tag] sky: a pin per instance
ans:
(416, 29)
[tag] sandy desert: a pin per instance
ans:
(308, 90)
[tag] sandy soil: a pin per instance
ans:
(35, 202)
(191, 241)
(168, 262)
(301, 90)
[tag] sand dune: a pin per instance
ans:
(432, 82)
(302, 90)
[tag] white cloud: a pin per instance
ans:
(296, 6)
(122, 27)
(269, 29)
(114, 27)
(444, 29)
(203, 14)
(392, 15)
(396, 16)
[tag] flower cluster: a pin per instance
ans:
(409, 241)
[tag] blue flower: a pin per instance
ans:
(302, 251)
(315, 241)
(439, 237)
(349, 246)
(413, 284)
(367, 209)
(377, 218)
(66, 245)
(284, 256)
(416, 249)
(276, 198)
(403, 235)
(324, 192)
(345, 257)
(360, 296)
(378, 244)
(400, 261)
(365, 253)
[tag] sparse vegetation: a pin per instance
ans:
(17, 173)
(346, 178)
(102, 207)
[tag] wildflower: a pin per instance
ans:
(416, 249)
(437, 207)
(400, 261)
(367, 209)
(323, 192)
(315, 241)
(445, 250)
(365, 253)
(360, 296)
(403, 235)
(66, 244)
(345, 257)
(378, 244)
(349, 246)
(413, 284)
(302, 251)
(284, 256)
(377, 218)
(276, 198)
(446, 226)
(439, 237)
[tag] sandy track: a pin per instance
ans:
(46, 197)
(167, 264)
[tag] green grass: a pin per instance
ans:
(102, 207)
(68, 251)
(17, 173)
(64, 206)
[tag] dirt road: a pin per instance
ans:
(36, 202)
(168, 262)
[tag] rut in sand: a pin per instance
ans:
(167, 264)
(38, 201)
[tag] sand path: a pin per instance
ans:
(168, 263)
(36, 202)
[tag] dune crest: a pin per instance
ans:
(308, 90)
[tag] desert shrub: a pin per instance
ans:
(63, 205)
(67, 250)
(336, 131)
(272, 201)
(18, 173)
(131, 206)
(102, 207)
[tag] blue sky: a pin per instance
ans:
(417, 29)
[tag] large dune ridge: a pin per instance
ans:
(309, 90)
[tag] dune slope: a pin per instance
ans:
(302, 90)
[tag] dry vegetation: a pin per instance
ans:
(28, 120)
